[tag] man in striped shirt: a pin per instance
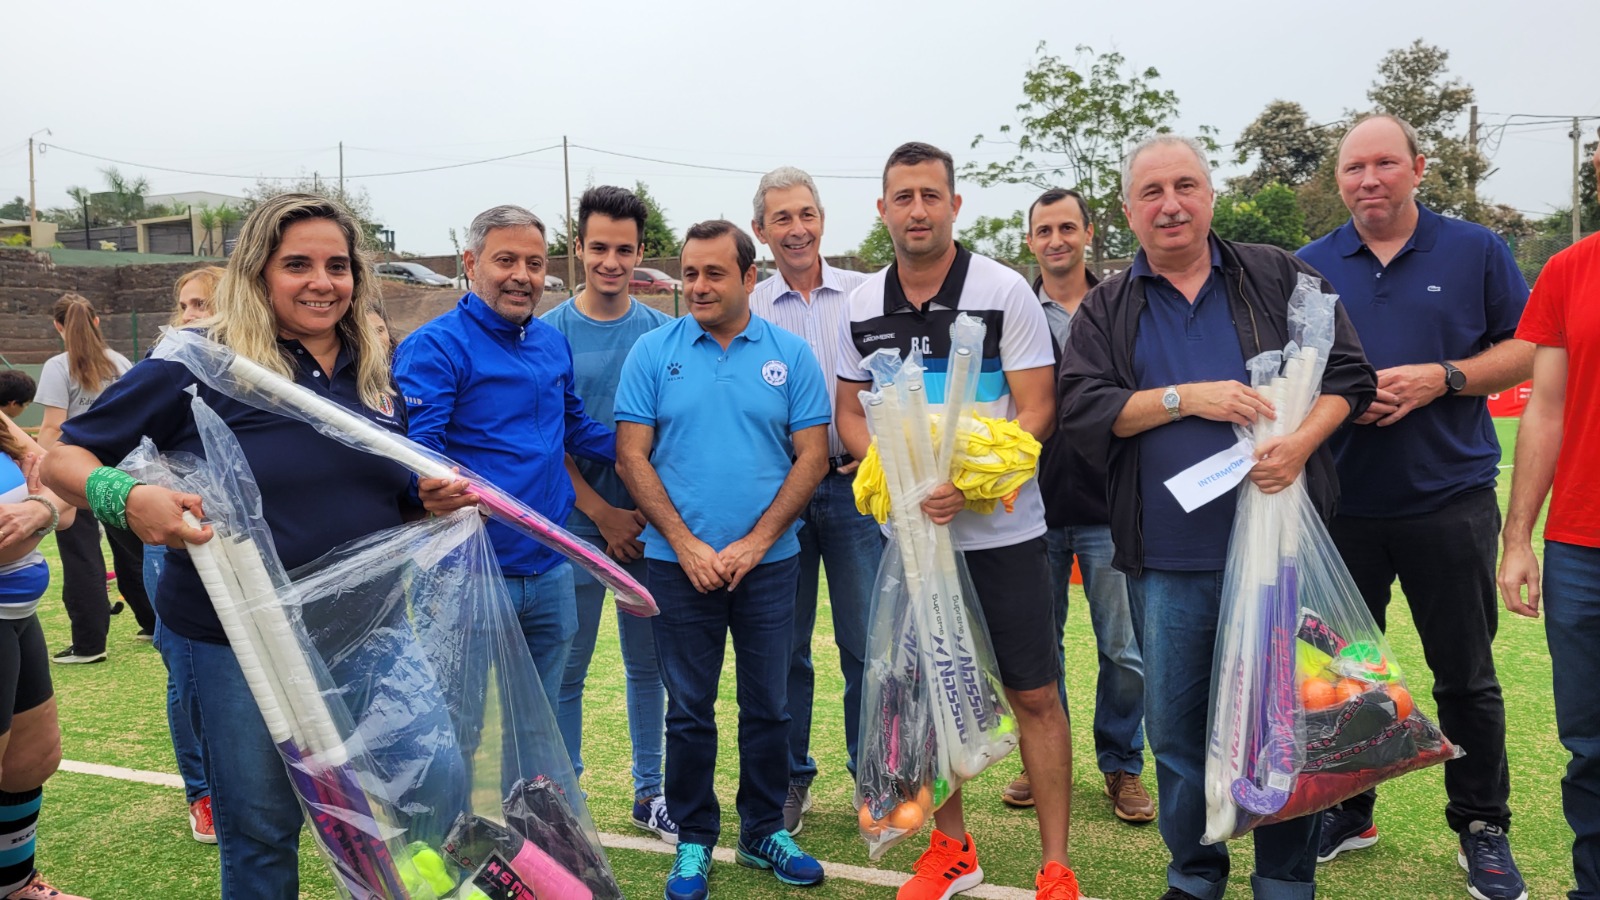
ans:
(809, 298)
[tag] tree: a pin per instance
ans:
(658, 237)
(877, 249)
(1287, 146)
(1076, 121)
(1559, 222)
(16, 209)
(560, 243)
(1413, 84)
(1003, 239)
(1270, 216)
(357, 201)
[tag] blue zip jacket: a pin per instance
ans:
(498, 398)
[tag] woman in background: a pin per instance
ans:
(68, 384)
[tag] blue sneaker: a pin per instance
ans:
(691, 869)
(778, 852)
(651, 815)
(1491, 872)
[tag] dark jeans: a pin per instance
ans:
(1178, 614)
(691, 637)
(1445, 561)
(848, 547)
(1572, 629)
(83, 581)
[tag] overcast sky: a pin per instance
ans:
(270, 88)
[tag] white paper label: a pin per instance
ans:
(1212, 477)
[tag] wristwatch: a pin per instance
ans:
(1454, 379)
(1169, 402)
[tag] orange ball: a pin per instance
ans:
(925, 797)
(1349, 688)
(1318, 694)
(907, 817)
(869, 826)
(1402, 701)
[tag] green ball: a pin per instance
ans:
(430, 870)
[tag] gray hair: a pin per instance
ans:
(1164, 140)
(507, 216)
(778, 179)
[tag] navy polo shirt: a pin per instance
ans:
(1451, 292)
(723, 422)
(1179, 342)
(315, 492)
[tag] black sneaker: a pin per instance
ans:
(795, 805)
(116, 608)
(1491, 872)
(1177, 894)
(70, 656)
(145, 635)
(1345, 829)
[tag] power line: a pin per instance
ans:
(140, 165)
(686, 165)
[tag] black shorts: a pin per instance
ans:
(1014, 589)
(24, 668)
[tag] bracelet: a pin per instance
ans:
(55, 514)
(107, 491)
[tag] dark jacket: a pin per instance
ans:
(1098, 378)
(1073, 485)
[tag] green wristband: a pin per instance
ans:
(107, 491)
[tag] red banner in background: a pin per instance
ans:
(1509, 404)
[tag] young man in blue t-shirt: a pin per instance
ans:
(601, 324)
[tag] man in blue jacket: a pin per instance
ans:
(491, 387)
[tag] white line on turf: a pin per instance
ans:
(861, 874)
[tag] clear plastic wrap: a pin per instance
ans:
(1308, 706)
(395, 680)
(933, 712)
(248, 382)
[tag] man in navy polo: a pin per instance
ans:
(722, 438)
(1436, 302)
(491, 387)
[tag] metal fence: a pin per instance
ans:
(1533, 252)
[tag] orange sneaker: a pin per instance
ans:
(200, 822)
(1056, 882)
(943, 870)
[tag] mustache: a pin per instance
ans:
(1179, 219)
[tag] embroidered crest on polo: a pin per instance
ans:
(775, 372)
(385, 405)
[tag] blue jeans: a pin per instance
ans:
(185, 745)
(548, 612)
(691, 637)
(1572, 629)
(849, 546)
(1119, 687)
(1178, 612)
(647, 696)
(254, 809)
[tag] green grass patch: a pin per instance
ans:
(110, 839)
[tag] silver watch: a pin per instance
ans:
(1169, 402)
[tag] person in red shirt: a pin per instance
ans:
(1559, 441)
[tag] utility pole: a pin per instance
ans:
(572, 234)
(1577, 172)
(1472, 138)
(341, 160)
(33, 203)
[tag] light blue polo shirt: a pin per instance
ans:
(723, 421)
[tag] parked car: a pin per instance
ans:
(652, 281)
(412, 273)
(554, 283)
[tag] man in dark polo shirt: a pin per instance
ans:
(1154, 382)
(1078, 522)
(1436, 302)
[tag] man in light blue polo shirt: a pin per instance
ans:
(722, 438)
(1436, 301)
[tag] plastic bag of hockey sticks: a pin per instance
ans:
(1308, 705)
(241, 379)
(929, 628)
(898, 780)
(393, 677)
